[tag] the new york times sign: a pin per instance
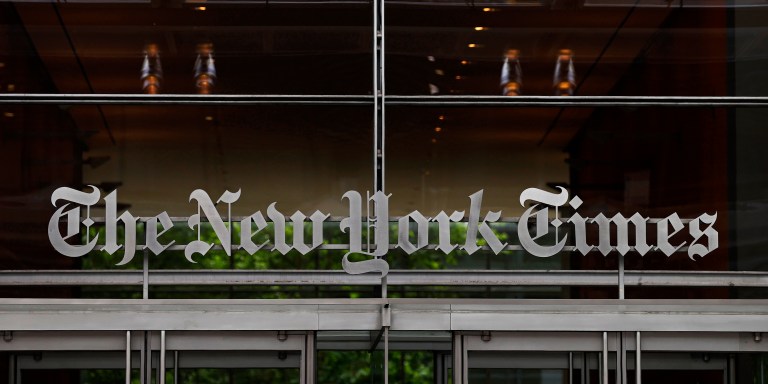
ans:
(67, 221)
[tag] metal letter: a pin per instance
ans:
(475, 225)
(152, 234)
(622, 233)
(73, 220)
(205, 205)
(444, 230)
(278, 220)
(542, 218)
(711, 233)
(663, 235)
(353, 223)
(422, 232)
(381, 239)
(298, 231)
(129, 237)
(580, 233)
(246, 236)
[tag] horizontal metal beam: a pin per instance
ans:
(395, 278)
(407, 315)
(427, 101)
(179, 99)
(578, 101)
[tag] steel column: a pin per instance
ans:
(128, 357)
(386, 355)
(161, 366)
(604, 361)
(309, 358)
(460, 371)
(638, 368)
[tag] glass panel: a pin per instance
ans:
(516, 367)
(186, 47)
(302, 158)
(652, 161)
(579, 47)
(238, 376)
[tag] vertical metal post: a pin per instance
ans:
(128, 357)
(145, 283)
(143, 360)
(570, 367)
(303, 363)
(18, 372)
(309, 359)
(384, 293)
(638, 369)
(12, 369)
(175, 367)
(621, 276)
(162, 358)
(762, 368)
(732, 369)
(600, 367)
(604, 364)
(386, 355)
(378, 93)
(459, 359)
(621, 360)
(439, 368)
(584, 368)
(147, 357)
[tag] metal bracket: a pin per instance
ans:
(8, 336)
(376, 340)
(485, 336)
(282, 335)
(386, 316)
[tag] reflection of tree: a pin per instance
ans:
(266, 260)
(337, 367)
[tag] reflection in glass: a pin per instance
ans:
(116, 47)
(151, 70)
(511, 74)
(205, 70)
(564, 80)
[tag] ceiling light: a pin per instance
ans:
(565, 74)
(431, 58)
(464, 62)
(9, 114)
(459, 77)
(472, 45)
(205, 69)
(481, 28)
(434, 141)
(209, 118)
(438, 129)
(511, 74)
(151, 70)
(11, 87)
(488, 9)
(439, 72)
(441, 117)
(200, 8)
